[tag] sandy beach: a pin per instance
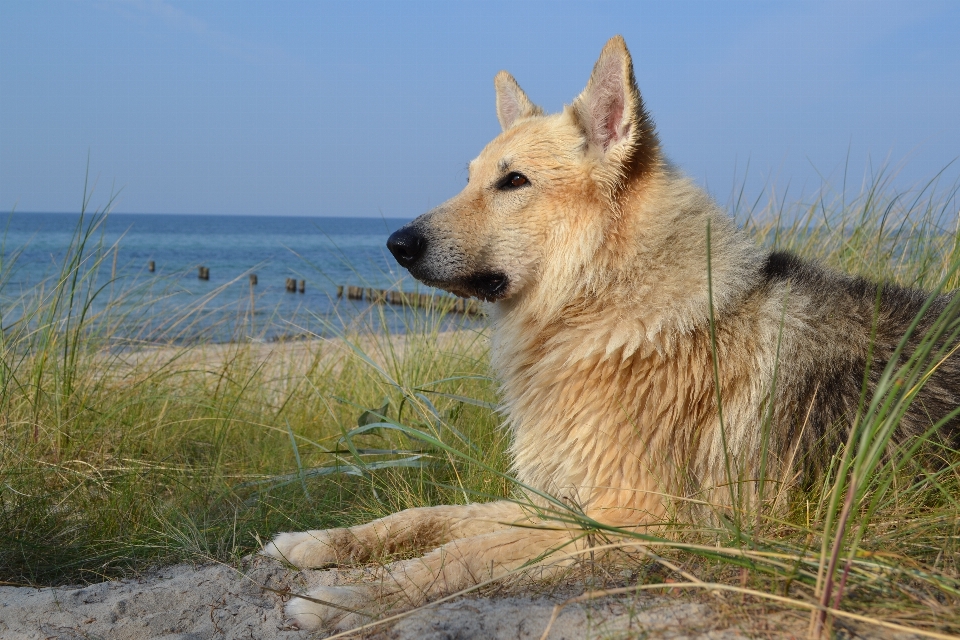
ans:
(185, 602)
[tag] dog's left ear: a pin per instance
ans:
(610, 109)
(512, 103)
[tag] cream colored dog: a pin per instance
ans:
(593, 251)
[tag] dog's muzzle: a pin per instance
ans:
(409, 246)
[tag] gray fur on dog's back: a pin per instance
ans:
(851, 323)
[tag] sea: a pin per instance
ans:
(173, 304)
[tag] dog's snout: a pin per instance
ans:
(406, 245)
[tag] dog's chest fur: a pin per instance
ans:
(611, 432)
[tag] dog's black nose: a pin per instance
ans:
(406, 245)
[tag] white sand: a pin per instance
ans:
(183, 602)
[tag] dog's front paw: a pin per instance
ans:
(339, 608)
(306, 549)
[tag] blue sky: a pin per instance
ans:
(374, 108)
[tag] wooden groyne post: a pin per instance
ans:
(204, 273)
(354, 293)
(415, 300)
(292, 286)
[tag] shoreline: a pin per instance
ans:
(215, 354)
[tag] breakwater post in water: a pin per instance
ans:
(151, 266)
(253, 279)
(204, 273)
(291, 285)
(303, 286)
(415, 300)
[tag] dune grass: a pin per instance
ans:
(116, 457)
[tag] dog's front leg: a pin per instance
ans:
(410, 530)
(451, 568)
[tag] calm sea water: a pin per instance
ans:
(173, 302)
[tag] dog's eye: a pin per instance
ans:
(513, 180)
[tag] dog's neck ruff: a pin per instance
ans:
(592, 384)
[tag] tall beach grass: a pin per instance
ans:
(115, 457)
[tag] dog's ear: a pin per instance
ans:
(610, 109)
(512, 102)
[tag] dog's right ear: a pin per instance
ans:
(611, 113)
(512, 102)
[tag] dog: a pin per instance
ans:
(641, 341)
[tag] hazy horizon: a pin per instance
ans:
(114, 212)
